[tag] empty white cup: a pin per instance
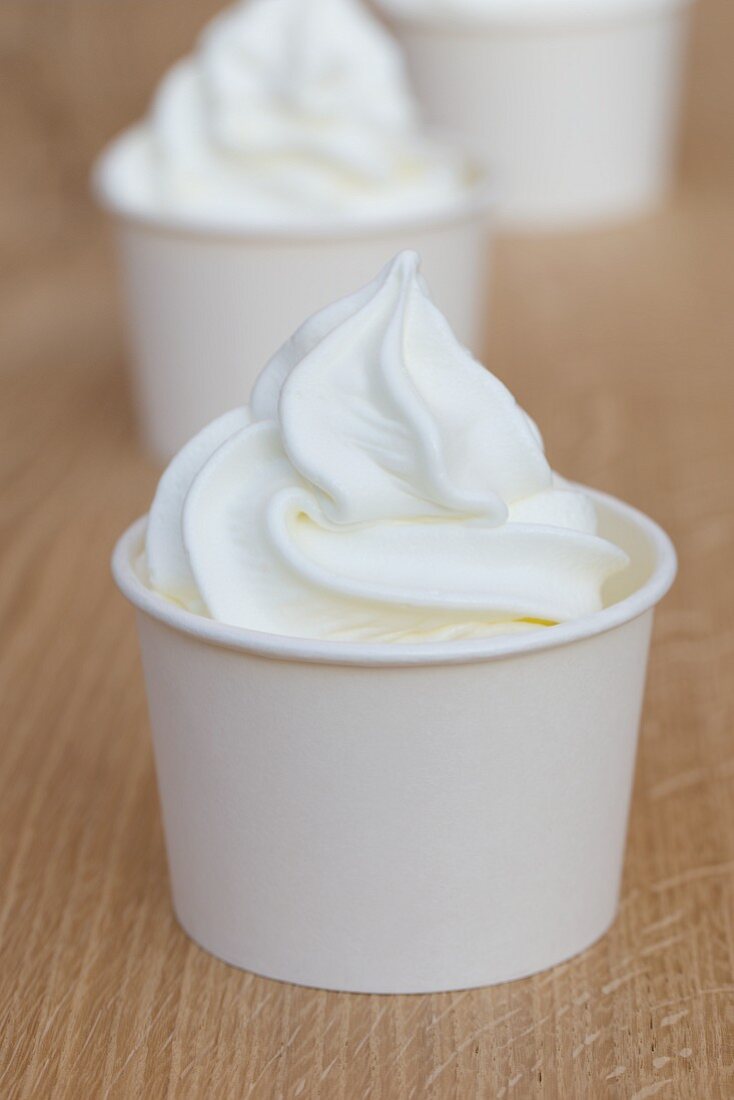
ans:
(574, 101)
(207, 307)
(399, 818)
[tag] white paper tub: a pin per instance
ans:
(575, 101)
(207, 308)
(397, 819)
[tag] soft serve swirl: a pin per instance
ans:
(287, 108)
(382, 486)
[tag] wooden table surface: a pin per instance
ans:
(621, 343)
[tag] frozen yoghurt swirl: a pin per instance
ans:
(381, 486)
(288, 110)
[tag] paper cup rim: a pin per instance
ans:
(478, 200)
(385, 654)
(522, 14)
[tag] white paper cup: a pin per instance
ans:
(207, 308)
(575, 101)
(399, 818)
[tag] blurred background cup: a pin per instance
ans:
(207, 307)
(575, 101)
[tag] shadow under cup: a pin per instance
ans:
(400, 818)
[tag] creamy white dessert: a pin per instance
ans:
(381, 486)
(289, 112)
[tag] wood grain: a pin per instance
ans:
(621, 343)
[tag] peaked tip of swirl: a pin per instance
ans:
(406, 265)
